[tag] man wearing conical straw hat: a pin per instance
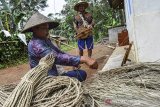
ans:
(83, 24)
(40, 45)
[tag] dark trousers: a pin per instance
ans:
(79, 74)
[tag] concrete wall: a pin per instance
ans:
(143, 24)
(113, 33)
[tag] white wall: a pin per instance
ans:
(143, 24)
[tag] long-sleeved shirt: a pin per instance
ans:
(38, 48)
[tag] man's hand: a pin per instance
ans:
(92, 63)
(89, 26)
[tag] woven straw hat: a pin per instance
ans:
(38, 19)
(85, 4)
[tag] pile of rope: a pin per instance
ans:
(131, 86)
(5, 92)
(36, 89)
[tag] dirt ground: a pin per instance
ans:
(14, 74)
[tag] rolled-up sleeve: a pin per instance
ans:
(41, 49)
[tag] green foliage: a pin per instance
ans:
(12, 51)
(10, 48)
(2, 66)
(67, 48)
(18, 61)
(16, 12)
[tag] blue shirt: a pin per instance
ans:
(38, 48)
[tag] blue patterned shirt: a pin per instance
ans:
(38, 48)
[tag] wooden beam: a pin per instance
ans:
(126, 54)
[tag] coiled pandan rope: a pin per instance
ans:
(36, 89)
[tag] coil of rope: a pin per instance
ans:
(36, 89)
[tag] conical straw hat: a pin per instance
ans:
(38, 19)
(85, 4)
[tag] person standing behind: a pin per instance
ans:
(83, 24)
